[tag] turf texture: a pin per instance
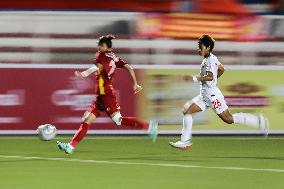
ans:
(136, 163)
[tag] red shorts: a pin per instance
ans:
(104, 103)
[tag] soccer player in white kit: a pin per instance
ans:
(211, 96)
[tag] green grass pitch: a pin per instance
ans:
(136, 163)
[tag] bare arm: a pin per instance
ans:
(137, 88)
(207, 77)
(221, 70)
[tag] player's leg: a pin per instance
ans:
(191, 107)
(68, 148)
(134, 123)
(250, 120)
(113, 110)
(187, 122)
(151, 126)
(87, 119)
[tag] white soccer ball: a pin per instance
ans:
(46, 132)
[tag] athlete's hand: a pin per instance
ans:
(78, 74)
(137, 88)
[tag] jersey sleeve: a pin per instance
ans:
(96, 60)
(212, 64)
(217, 62)
(120, 63)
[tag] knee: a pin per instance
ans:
(229, 120)
(88, 121)
(117, 118)
(186, 108)
(187, 112)
(88, 118)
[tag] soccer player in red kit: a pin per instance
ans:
(105, 66)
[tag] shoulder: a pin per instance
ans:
(98, 55)
(112, 55)
(99, 58)
(213, 59)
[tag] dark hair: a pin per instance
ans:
(207, 41)
(107, 40)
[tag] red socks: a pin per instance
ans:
(127, 121)
(80, 134)
(134, 123)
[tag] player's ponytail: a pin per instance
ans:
(110, 37)
(107, 40)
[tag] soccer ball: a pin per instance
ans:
(46, 132)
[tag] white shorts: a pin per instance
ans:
(215, 100)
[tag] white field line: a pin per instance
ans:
(140, 163)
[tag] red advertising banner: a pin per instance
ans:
(192, 26)
(138, 5)
(30, 97)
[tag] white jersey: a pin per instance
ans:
(210, 95)
(209, 64)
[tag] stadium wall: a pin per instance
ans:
(36, 94)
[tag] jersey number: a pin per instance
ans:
(216, 104)
(112, 67)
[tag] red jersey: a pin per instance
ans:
(110, 62)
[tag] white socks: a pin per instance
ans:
(239, 118)
(246, 119)
(186, 132)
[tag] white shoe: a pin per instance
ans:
(263, 123)
(181, 145)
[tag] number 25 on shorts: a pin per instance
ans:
(216, 104)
